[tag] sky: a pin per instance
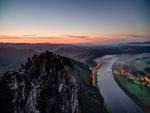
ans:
(74, 21)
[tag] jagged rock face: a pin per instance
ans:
(54, 91)
(56, 95)
(17, 93)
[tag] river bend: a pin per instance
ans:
(116, 100)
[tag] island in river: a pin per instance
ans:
(131, 72)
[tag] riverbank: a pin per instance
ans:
(136, 91)
(116, 100)
(95, 82)
(94, 74)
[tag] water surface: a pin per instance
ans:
(115, 98)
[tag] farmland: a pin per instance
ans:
(130, 75)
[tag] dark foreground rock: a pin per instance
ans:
(49, 83)
(50, 92)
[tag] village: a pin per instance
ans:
(127, 72)
(94, 73)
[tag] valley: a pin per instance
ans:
(114, 97)
(131, 76)
(91, 68)
(74, 56)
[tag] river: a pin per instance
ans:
(116, 100)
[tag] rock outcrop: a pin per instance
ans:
(52, 91)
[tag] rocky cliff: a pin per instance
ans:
(45, 84)
(49, 83)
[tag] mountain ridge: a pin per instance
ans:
(50, 83)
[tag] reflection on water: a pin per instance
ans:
(115, 98)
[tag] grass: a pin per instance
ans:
(141, 64)
(68, 75)
(136, 91)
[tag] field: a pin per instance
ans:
(135, 88)
(137, 91)
(141, 64)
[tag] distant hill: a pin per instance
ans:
(88, 54)
(40, 47)
(146, 43)
(13, 54)
(11, 58)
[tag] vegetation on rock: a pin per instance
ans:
(54, 84)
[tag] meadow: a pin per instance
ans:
(137, 91)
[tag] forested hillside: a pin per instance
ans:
(11, 58)
(50, 83)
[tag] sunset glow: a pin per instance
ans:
(101, 39)
(65, 21)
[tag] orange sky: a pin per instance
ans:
(75, 39)
(74, 21)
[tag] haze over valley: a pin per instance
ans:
(74, 56)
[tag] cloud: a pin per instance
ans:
(86, 38)
(26, 37)
(75, 37)
(136, 36)
(29, 35)
(97, 38)
(65, 37)
(49, 37)
(8, 37)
